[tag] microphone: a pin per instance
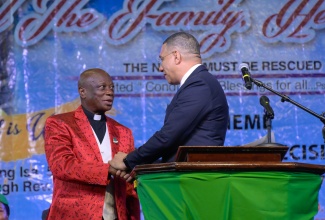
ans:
(246, 75)
(265, 102)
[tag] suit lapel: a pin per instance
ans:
(119, 183)
(193, 74)
(114, 135)
(85, 129)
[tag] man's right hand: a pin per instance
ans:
(117, 161)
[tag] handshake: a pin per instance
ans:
(118, 167)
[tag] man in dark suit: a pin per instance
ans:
(78, 146)
(196, 116)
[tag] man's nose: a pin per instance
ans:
(109, 91)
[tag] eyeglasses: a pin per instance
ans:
(161, 59)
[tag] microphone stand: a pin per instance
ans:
(285, 98)
(268, 122)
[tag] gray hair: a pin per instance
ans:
(183, 41)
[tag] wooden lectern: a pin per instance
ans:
(212, 182)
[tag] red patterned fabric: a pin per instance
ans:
(79, 174)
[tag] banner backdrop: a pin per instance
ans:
(46, 44)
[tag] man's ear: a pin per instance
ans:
(82, 92)
(177, 57)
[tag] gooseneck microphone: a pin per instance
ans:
(265, 102)
(246, 75)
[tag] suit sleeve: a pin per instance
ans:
(62, 159)
(187, 113)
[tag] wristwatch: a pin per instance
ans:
(126, 162)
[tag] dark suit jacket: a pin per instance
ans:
(79, 174)
(197, 116)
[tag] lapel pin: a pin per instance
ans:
(115, 141)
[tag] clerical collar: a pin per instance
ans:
(98, 123)
(94, 117)
(97, 117)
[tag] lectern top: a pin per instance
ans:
(230, 154)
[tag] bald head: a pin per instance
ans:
(85, 75)
(96, 90)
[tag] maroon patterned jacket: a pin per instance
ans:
(79, 174)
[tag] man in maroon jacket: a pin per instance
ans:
(78, 147)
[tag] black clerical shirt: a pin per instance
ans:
(99, 126)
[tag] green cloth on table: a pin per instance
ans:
(229, 195)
